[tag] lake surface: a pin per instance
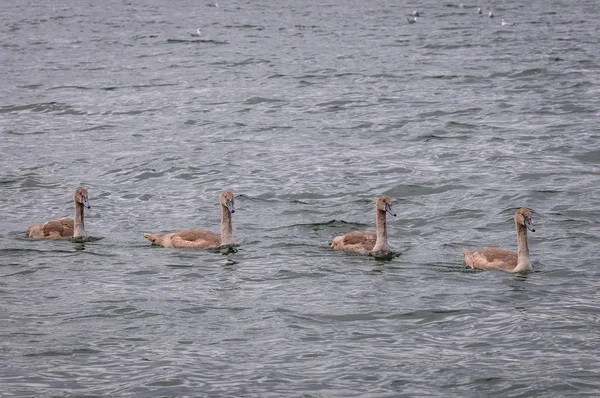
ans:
(309, 111)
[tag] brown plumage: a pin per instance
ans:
(64, 227)
(358, 241)
(506, 260)
(367, 242)
(201, 239)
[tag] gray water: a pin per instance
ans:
(309, 111)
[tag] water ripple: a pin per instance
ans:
(308, 112)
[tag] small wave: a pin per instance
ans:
(69, 87)
(44, 107)
(592, 157)
(56, 353)
(459, 125)
(385, 256)
(403, 191)
(18, 133)
(86, 239)
(261, 100)
(331, 223)
(245, 26)
(184, 41)
(99, 127)
(32, 182)
(527, 73)
(440, 113)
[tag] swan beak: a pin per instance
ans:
(529, 224)
(85, 202)
(388, 208)
(230, 207)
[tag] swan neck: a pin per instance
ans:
(79, 228)
(523, 262)
(226, 229)
(382, 243)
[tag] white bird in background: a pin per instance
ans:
(479, 10)
(491, 15)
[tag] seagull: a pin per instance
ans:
(197, 34)
(415, 13)
(504, 23)
(412, 20)
(491, 15)
(479, 10)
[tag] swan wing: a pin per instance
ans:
(491, 258)
(195, 239)
(358, 241)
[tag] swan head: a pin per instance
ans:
(384, 203)
(81, 196)
(523, 217)
(228, 201)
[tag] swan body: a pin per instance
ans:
(201, 239)
(368, 242)
(64, 227)
(506, 260)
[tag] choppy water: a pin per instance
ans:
(309, 110)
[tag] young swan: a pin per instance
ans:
(368, 242)
(201, 239)
(64, 227)
(506, 260)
